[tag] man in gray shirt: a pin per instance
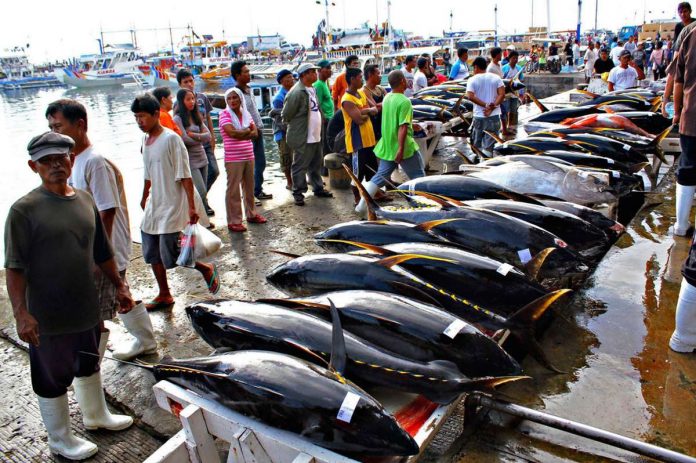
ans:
(240, 73)
(53, 237)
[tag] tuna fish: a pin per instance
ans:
(411, 329)
(291, 394)
(239, 325)
(553, 180)
(596, 218)
(462, 188)
(573, 158)
(609, 121)
(636, 103)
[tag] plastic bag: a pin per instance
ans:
(197, 243)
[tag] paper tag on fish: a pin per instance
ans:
(504, 269)
(454, 328)
(610, 161)
(615, 174)
(627, 147)
(345, 413)
(525, 255)
(583, 174)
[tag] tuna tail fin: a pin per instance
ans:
(654, 145)
(534, 266)
(372, 205)
(522, 325)
(137, 363)
(338, 342)
(494, 136)
(538, 103)
(286, 254)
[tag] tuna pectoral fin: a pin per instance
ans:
(417, 293)
(635, 168)
(338, 342)
(590, 94)
(531, 312)
(446, 203)
(520, 197)
(494, 136)
(286, 254)
(397, 259)
(489, 382)
(427, 226)
(534, 266)
(538, 103)
(368, 247)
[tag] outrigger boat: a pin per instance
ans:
(118, 65)
(16, 72)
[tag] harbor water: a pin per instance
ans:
(112, 130)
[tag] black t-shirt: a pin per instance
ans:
(56, 240)
(335, 131)
(601, 66)
(553, 50)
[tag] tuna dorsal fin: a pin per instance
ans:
(372, 205)
(463, 156)
(397, 259)
(368, 247)
(538, 103)
(494, 136)
(655, 144)
(531, 312)
(479, 152)
(543, 165)
(338, 342)
(286, 254)
(635, 168)
(489, 382)
(452, 201)
(534, 266)
(427, 226)
(549, 132)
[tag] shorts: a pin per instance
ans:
(686, 169)
(285, 153)
(57, 361)
(106, 294)
(161, 249)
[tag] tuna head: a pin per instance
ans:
(585, 187)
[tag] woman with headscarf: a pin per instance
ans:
(238, 130)
(195, 134)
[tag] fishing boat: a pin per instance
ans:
(116, 65)
(207, 55)
(16, 72)
(161, 71)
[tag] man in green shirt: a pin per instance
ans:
(325, 103)
(397, 146)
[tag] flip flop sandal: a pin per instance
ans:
(158, 305)
(214, 283)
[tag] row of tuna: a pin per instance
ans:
(416, 297)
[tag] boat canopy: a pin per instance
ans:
(417, 51)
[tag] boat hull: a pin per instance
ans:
(73, 79)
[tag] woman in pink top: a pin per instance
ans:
(238, 129)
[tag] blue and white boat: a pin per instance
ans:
(16, 72)
(117, 65)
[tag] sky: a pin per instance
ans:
(57, 30)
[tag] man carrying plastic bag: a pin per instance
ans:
(169, 201)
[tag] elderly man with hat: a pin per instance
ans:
(286, 81)
(304, 136)
(623, 76)
(53, 237)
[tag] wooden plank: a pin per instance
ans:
(198, 439)
(173, 451)
(252, 449)
(304, 458)
(235, 454)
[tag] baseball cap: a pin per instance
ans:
(304, 67)
(624, 53)
(282, 73)
(323, 63)
(49, 143)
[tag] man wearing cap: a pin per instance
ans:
(53, 237)
(623, 76)
(325, 99)
(603, 63)
(286, 81)
(97, 175)
(304, 134)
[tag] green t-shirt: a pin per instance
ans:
(324, 97)
(396, 111)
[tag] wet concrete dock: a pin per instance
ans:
(611, 340)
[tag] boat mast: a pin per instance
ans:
(577, 31)
(596, 8)
(548, 17)
(171, 38)
(495, 12)
(532, 13)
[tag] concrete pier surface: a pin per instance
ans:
(611, 339)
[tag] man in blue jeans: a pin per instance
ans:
(397, 146)
(240, 73)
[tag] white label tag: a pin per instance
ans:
(627, 147)
(615, 174)
(610, 161)
(583, 174)
(454, 328)
(345, 413)
(525, 255)
(504, 269)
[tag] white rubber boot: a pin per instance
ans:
(371, 190)
(103, 339)
(684, 336)
(95, 414)
(61, 440)
(684, 200)
(138, 324)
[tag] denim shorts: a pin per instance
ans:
(161, 249)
